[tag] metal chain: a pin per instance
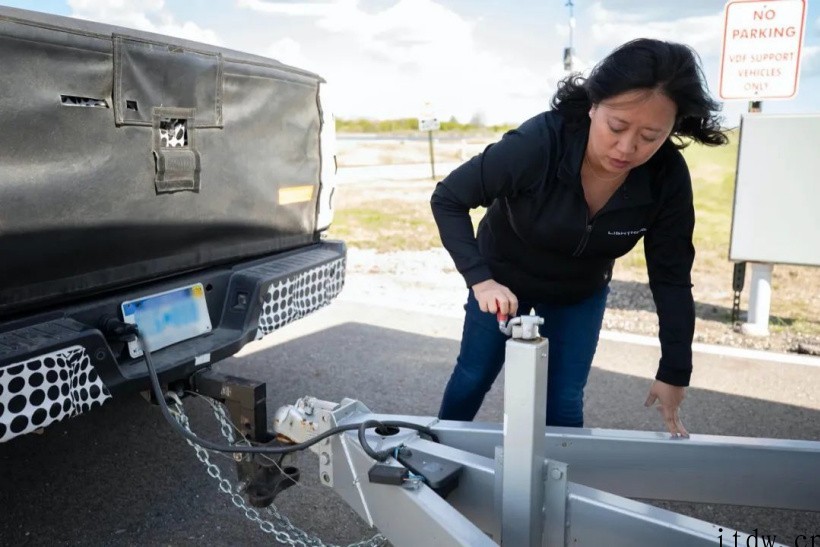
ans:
(281, 528)
(226, 427)
(738, 278)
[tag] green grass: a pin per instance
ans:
(713, 182)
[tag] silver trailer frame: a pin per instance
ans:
(525, 484)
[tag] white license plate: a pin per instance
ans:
(168, 317)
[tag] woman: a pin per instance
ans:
(567, 193)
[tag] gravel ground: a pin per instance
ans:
(426, 281)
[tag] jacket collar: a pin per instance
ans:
(636, 189)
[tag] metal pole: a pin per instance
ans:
(568, 52)
(571, 25)
(432, 157)
(760, 295)
(525, 413)
(760, 300)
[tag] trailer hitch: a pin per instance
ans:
(261, 477)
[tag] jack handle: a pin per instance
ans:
(502, 318)
(521, 327)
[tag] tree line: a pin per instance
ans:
(407, 125)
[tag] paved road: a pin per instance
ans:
(122, 477)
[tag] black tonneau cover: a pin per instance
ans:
(127, 156)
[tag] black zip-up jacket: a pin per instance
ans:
(537, 237)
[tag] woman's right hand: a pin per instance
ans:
(494, 297)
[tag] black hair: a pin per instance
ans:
(670, 68)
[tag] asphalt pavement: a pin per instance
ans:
(121, 476)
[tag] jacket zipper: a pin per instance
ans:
(585, 237)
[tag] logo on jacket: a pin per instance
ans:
(626, 232)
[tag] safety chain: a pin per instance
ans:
(279, 526)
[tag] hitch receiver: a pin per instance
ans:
(262, 477)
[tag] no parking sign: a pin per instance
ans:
(762, 42)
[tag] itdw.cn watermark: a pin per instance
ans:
(767, 540)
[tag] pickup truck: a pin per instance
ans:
(145, 179)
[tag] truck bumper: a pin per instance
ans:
(59, 364)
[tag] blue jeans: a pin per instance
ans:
(572, 331)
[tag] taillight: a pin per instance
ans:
(327, 143)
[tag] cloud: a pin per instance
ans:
(660, 11)
(415, 52)
(301, 9)
(409, 30)
(810, 62)
(288, 51)
(146, 15)
(611, 28)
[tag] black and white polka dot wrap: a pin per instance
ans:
(296, 296)
(43, 390)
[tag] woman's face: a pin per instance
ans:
(627, 129)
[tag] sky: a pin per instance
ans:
(494, 61)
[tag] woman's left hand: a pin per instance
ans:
(670, 398)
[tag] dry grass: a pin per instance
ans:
(386, 225)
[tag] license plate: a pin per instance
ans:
(168, 317)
